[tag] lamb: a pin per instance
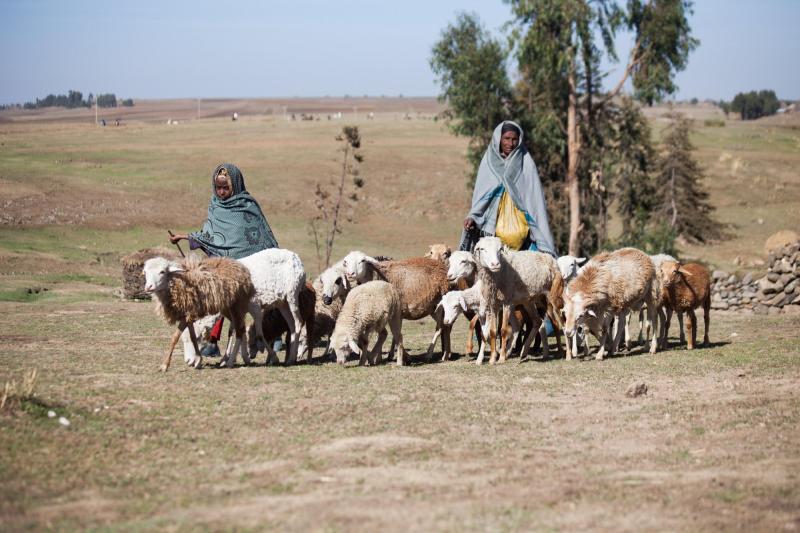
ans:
(420, 282)
(644, 325)
(278, 277)
(611, 286)
(192, 289)
(439, 252)
(274, 325)
(685, 288)
(369, 308)
(513, 278)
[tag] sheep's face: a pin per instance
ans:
(355, 267)
(462, 265)
(452, 305)
(670, 273)
(157, 272)
(577, 314)
(487, 253)
(334, 285)
(439, 252)
(570, 266)
(343, 347)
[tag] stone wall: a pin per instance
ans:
(777, 292)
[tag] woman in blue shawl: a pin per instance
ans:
(507, 167)
(236, 227)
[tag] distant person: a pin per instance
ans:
(236, 227)
(116, 122)
(508, 200)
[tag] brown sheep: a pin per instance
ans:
(421, 283)
(274, 325)
(684, 288)
(189, 290)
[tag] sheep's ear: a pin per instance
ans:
(463, 303)
(591, 312)
(354, 347)
(580, 260)
(371, 260)
(175, 268)
(685, 272)
(345, 283)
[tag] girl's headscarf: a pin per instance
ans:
(516, 174)
(235, 227)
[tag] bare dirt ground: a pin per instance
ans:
(545, 445)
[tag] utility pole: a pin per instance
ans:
(198, 109)
(95, 110)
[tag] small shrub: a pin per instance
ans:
(714, 123)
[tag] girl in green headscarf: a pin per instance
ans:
(236, 227)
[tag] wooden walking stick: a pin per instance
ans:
(176, 244)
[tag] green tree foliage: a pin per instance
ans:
(128, 102)
(681, 200)
(755, 105)
(70, 100)
(470, 65)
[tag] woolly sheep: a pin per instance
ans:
(420, 282)
(274, 326)
(611, 286)
(511, 278)
(369, 308)
(278, 277)
(189, 290)
(439, 252)
(202, 330)
(685, 288)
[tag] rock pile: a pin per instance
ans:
(778, 291)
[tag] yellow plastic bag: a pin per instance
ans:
(511, 227)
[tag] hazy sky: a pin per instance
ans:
(168, 49)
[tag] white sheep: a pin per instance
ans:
(202, 329)
(278, 277)
(369, 308)
(192, 289)
(509, 279)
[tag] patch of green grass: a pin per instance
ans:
(22, 295)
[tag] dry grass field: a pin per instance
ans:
(545, 445)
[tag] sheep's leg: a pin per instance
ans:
(290, 317)
(536, 321)
(485, 336)
(492, 338)
(230, 350)
(433, 340)
(175, 338)
(545, 341)
(472, 323)
(254, 308)
(604, 333)
(680, 324)
(642, 326)
(198, 361)
(396, 325)
(667, 323)
(505, 332)
(446, 342)
(691, 329)
(190, 355)
(241, 341)
(622, 331)
(652, 317)
(375, 357)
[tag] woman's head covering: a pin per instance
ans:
(516, 174)
(236, 227)
(510, 126)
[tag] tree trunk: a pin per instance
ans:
(573, 153)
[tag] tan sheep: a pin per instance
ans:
(189, 290)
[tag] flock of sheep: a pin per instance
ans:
(513, 295)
